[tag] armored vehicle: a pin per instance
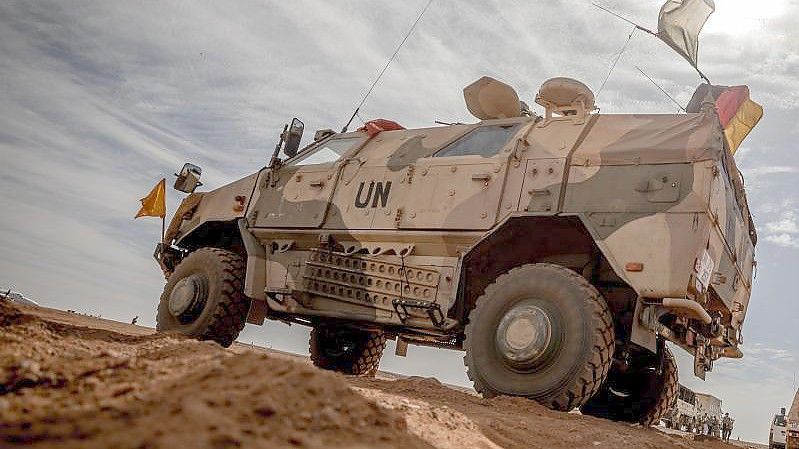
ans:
(560, 251)
(777, 436)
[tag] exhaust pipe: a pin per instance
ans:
(689, 307)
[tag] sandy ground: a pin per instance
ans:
(71, 381)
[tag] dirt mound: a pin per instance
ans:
(512, 422)
(80, 387)
(71, 381)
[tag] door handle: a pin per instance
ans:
(481, 177)
(318, 183)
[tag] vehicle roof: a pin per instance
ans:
(613, 138)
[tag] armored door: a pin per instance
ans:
(298, 195)
(460, 187)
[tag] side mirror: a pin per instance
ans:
(188, 179)
(293, 137)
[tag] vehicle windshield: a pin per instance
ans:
(328, 151)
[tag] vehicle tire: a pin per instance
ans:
(639, 395)
(540, 331)
(350, 351)
(204, 298)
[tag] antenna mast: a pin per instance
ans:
(661, 89)
(390, 60)
(625, 19)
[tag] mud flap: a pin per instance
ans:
(642, 332)
(702, 362)
(255, 277)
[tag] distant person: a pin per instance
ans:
(726, 427)
(135, 320)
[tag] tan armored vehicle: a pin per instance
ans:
(558, 251)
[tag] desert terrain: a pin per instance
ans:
(72, 381)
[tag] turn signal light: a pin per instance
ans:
(634, 266)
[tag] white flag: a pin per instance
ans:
(680, 22)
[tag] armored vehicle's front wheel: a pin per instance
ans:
(540, 331)
(639, 394)
(346, 350)
(204, 298)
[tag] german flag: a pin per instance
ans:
(738, 113)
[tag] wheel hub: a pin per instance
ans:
(188, 297)
(523, 335)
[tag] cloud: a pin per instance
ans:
(783, 229)
(770, 170)
(98, 100)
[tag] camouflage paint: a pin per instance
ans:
(651, 189)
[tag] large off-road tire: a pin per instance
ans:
(204, 298)
(346, 350)
(637, 395)
(540, 331)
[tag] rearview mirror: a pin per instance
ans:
(293, 137)
(188, 179)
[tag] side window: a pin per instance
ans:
(484, 141)
(329, 151)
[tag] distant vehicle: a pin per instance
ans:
(707, 404)
(17, 298)
(777, 437)
(683, 413)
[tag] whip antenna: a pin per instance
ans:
(615, 61)
(661, 89)
(625, 19)
(388, 63)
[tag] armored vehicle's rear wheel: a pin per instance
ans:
(543, 332)
(640, 394)
(349, 351)
(203, 297)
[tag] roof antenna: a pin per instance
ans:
(625, 19)
(661, 89)
(390, 60)
(615, 61)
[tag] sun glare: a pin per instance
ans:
(736, 16)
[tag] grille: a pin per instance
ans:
(367, 279)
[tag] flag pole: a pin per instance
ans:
(163, 225)
(619, 16)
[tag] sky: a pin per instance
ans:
(99, 100)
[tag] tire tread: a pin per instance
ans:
(592, 374)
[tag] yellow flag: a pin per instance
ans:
(747, 117)
(154, 204)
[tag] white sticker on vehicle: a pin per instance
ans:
(704, 268)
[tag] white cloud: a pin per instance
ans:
(783, 228)
(786, 240)
(770, 170)
(100, 99)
